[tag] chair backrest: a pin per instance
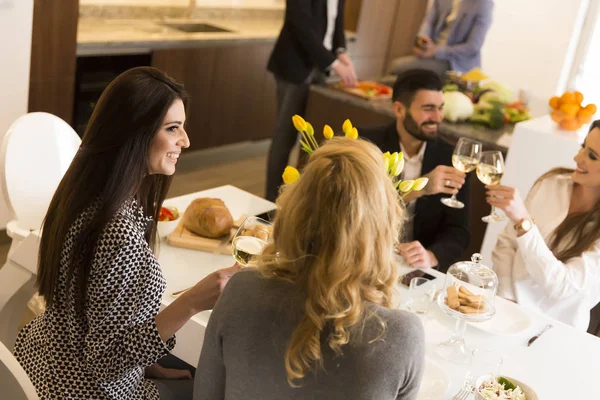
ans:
(36, 152)
(14, 382)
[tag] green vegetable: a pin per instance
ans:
(492, 117)
(508, 385)
(451, 87)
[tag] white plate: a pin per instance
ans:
(435, 382)
(510, 319)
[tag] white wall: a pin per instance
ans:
(16, 19)
(200, 3)
(531, 43)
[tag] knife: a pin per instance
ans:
(534, 338)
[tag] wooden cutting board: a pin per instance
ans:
(361, 93)
(182, 237)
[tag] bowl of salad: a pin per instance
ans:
(490, 387)
(168, 219)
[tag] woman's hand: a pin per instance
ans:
(157, 371)
(204, 295)
(508, 200)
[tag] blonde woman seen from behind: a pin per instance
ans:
(314, 319)
(548, 257)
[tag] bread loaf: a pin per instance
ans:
(208, 217)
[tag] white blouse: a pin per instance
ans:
(530, 274)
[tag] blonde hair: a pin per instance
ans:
(334, 237)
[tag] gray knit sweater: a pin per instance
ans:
(247, 336)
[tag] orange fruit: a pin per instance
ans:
(570, 110)
(584, 119)
(554, 102)
(578, 97)
(570, 124)
(591, 108)
(567, 98)
(584, 113)
(556, 116)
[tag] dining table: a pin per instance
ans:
(561, 364)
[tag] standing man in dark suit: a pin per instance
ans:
(311, 43)
(435, 235)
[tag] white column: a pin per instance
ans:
(16, 24)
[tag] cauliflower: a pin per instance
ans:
(458, 106)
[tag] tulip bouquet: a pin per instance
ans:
(393, 163)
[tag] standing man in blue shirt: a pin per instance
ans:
(311, 43)
(450, 38)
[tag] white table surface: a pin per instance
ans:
(562, 364)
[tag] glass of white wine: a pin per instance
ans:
(465, 159)
(247, 244)
(490, 171)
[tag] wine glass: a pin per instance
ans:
(248, 242)
(465, 159)
(489, 172)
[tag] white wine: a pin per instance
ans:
(488, 174)
(463, 163)
(246, 249)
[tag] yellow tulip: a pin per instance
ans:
(398, 167)
(386, 154)
(386, 163)
(290, 175)
(353, 134)
(420, 183)
(347, 127)
(400, 156)
(299, 123)
(327, 132)
(406, 186)
(309, 129)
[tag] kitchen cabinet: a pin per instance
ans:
(53, 58)
(232, 95)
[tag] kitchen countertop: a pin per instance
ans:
(496, 139)
(99, 36)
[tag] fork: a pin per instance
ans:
(463, 393)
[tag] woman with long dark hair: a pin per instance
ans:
(102, 329)
(548, 258)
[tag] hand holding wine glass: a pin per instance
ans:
(249, 240)
(489, 172)
(465, 159)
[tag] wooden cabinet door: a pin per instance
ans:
(53, 57)
(232, 96)
(243, 94)
(193, 68)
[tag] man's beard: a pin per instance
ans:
(416, 130)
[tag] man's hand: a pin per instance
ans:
(157, 371)
(416, 255)
(426, 49)
(444, 179)
(345, 70)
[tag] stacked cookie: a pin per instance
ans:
(464, 301)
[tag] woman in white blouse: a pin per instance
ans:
(548, 258)
(102, 331)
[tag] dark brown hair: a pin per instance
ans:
(111, 167)
(410, 82)
(581, 230)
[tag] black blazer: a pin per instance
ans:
(299, 49)
(442, 230)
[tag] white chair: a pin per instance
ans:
(14, 382)
(36, 152)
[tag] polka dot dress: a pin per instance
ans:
(100, 354)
